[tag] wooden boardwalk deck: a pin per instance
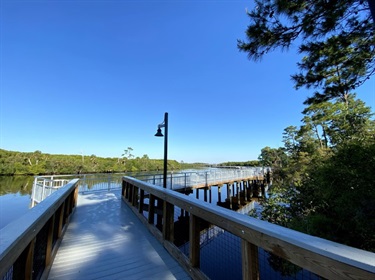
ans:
(105, 240)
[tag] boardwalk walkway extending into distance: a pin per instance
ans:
(45, 185)
(105, 240)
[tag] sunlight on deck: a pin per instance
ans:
(105, 240)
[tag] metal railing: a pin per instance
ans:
(214, 176)
(45, 185)
(253, 239)
(27, 245)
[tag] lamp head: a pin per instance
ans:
(158, 133)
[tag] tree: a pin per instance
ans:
(334, 123)
(127, 156)
(272, 157)
(341, 186)
(337, 38)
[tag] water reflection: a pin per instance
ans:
(15, 192)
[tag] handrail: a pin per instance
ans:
(43, 187)
(322, 257)
(196, 179)
(28, 244)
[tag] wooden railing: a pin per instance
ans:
(28, 245)
(322, 257)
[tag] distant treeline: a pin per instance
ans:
(36, 163)
(250, 163)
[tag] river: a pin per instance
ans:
(15, 192)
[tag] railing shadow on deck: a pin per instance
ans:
(156, 208)
(28, 245)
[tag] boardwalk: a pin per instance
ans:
(104, 240)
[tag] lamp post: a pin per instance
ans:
(160, 134)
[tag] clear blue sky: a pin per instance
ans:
(96, 77)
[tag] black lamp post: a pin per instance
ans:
(159, 134)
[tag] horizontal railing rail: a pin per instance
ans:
(156, 206)
(28, 245)
(203, 178)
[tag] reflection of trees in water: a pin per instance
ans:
(16, 184)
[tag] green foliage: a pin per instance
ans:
(337, 122)
(339, 197)
(196, 165)
(36, 163)
(324, 174)
(241, 163)
(337, 38)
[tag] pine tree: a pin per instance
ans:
(337, 38)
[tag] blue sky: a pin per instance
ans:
(95, 77)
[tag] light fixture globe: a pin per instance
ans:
(158, 133)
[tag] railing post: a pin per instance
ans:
(33, 192)
(43, 189)
(129, 192)
(250, 262)
(245, 189)
(194, 238)
(151, 209)
(23, 267)
(159, 214)
(67, 210)
(123, 188)
(263, 189)
(230, 196)
(135, 196)
(60, 216)
(141, 200)
(76, 190)
(238, 188)
(168, 221)
(51, 224)
(84, 182)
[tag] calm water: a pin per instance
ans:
(15, 192)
